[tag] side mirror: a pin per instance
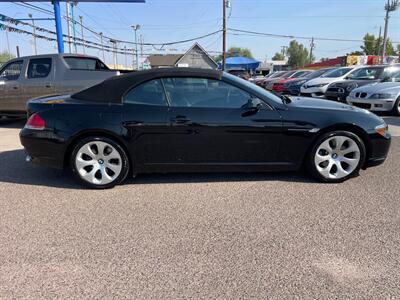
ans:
(350, 76)
(252, 107)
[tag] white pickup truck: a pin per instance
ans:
(33, 76)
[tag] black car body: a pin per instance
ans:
(293, 87)
(190, 120)
(339, 91)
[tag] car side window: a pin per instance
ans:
(148, 93)
(39, 67)
(204, 93)
(12, 71)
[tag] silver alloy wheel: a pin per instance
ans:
(98, 163)
(337, 157)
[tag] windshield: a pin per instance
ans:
(288, 74)
(337, 73)
(277, 74)
(254, 87)
(317, 73)
(395, 77)
(300, 74)
(390, 72)
(367, 73)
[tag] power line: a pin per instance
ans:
(254, 33)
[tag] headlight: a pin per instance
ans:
(381, 129)
(351, 87)
(383, 96)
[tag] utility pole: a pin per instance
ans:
(225, 4)
(136, 28)
(102, 46)
(8, 45)
(67, 7)
(312, 46)
(284, 50)
(390, 6)
(141, 51)
(18, 54)
(378, 47)
(126, 57)
(114, 43)
(83, 38)
(34, 34)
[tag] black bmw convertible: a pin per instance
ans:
(192, 120)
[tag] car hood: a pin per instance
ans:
(345, 83)
(317, 81)
(312, 103)
(392, 87)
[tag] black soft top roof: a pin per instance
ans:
(113, 89)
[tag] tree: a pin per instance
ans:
(5, 56)
(298, 54)
(373, 46)
(370, 44)
(234, 52)
(278, 56)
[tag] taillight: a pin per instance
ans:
(35, 122)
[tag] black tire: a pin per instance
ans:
(124, 162)
(396, 107)
(312, 167)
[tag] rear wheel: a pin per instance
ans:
(336, 156)
(99, 162)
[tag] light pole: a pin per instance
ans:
(83, 38)
(102, 46)
(67, 7)
(34, 34)
(136, 28)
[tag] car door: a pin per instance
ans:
(214, 123)
(39, 80)
(144, 121)
(10, 87)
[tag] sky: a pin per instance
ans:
(174, 20)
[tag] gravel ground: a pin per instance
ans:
(227, 236)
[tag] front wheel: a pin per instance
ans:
(99, 162)
(336, 156)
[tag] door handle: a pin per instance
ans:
(15, 87)
(48, 85)
(133, 123)
(180, 120)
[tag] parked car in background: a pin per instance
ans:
(317, 87)
(278, 86)
(262, 82)
(292, 87)
(382, 96)
(181, 120)
(34, 76)
(241, 73)
(290, 74)
(339, 91)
